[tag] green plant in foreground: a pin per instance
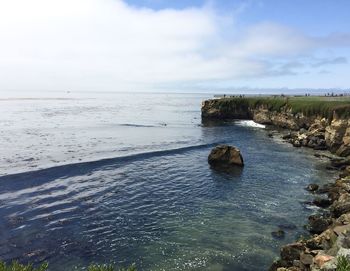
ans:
(15, 266)
(343, 264)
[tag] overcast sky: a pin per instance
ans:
(115, 45)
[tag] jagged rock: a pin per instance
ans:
(343, 219)
(318, 224)
(319, 126)
(343, 185)
(325, 188)
(277, 264)
(340, 163)
(335, 132)
(302, 131)
(343, 151)
(306, 259)
(323, 241)
(346, 172)
(341, 229)
(312, 143)
(292, 252)
(341, 206)
(322, 202)
(305, 142)
(224, 155)
(287, 136)
(312, 187)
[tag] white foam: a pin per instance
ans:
(250, 123)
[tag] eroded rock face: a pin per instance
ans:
(225, 155)
(281, 119)
(335, 133)
(315, 132)
(214, 109)
(341, 206)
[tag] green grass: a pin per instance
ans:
(15, 266)
(343, 264)
(309, 106)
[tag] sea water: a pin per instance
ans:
(123, 178)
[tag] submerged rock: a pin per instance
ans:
(287, 226)
(312, 187)
(279, 234)
(225, 155)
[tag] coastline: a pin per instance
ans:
(329, 238)
(328, 228)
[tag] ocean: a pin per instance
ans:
(123, 178)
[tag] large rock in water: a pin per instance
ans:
(224, 155)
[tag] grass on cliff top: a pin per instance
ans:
(309, 106)
(15, 266)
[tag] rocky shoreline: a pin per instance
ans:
(330, 230)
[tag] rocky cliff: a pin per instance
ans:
(319, 124)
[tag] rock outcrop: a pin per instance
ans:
(224, 155)
(312, 130)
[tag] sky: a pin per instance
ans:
(183, 45)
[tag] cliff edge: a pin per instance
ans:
(315, 122)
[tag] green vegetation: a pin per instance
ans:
(309, 106)
(343, 264)
(15, 266)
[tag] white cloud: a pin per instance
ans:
(109, 45)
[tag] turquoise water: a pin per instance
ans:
(139, 189)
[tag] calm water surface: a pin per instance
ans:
(124, 178)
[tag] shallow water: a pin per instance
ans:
(125, 179)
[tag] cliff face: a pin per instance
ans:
(313, 130)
